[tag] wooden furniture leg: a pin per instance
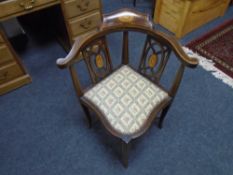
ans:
(125, 153)
(162, 116)
(87, 113)
(153, 8)
(134, 3)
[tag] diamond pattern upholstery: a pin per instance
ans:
(126, 99)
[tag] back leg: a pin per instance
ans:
(87, 113)
(163, 115)
(125, 153)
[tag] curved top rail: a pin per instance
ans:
(125, 20)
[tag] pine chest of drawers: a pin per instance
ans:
(12, 72)
(183, 16)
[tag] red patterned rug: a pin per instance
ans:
(217, 45)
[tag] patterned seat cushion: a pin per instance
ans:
(126, 99)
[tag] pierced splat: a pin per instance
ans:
(98, 59)
(154, 59)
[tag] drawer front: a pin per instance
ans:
(171, 10)
(80, 25)
(168, 22)
(15, 6)
(201, 6)
(168, 19)
(195, 19)
(75, 8)
(5, 54)
(176, 4)
(10, 72)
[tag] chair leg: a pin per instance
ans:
(87, 113)
(134, 3)
(163, 115)
(125, 153)
(153, 8)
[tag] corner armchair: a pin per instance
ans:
(126, 100)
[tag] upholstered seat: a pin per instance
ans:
(126, 99)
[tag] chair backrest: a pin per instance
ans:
(93, 49)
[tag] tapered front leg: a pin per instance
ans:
(125, 153)
(87, 113)
(163, 115)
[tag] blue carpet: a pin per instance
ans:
(43, 129)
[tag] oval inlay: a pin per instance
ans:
(153, 60)
(99, 61)
(126, 18)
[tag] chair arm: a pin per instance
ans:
(74, 54)
(181, 55)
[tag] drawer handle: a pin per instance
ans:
(27, 4)
(86, 24)
(3, 76)
(83, 6)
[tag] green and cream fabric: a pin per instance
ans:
(126, 99)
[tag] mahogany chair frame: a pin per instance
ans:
(126, 21)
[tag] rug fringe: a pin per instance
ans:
(208, 65)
